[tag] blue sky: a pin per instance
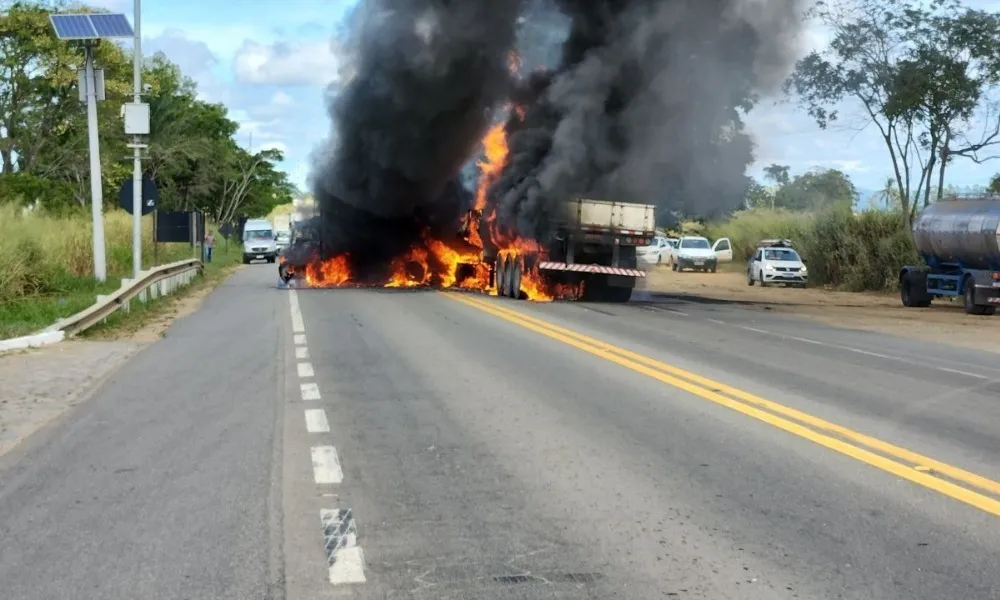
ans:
(271, 61)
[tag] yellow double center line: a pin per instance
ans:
(974, 490)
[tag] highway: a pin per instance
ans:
(451, 445)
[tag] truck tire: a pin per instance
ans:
(501, 276)
(970, 298)
(760, 276)
(749, 278)
(514, 285)
(617, 294)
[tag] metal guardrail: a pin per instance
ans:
(156, 282)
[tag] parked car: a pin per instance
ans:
(695, 253)
(658, 252)
(775, 261)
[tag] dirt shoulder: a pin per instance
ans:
(942, 322)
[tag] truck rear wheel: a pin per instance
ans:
(501, 276)
(514, 287)
(970, 298)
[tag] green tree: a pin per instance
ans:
(757, 196)
(816, 190)
(44, 150)
(890, 57)
(777, 174)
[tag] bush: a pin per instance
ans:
(853, 251)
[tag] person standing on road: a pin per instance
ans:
(209, 245)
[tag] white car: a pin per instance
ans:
(698, 254)
(656, 253)
(282, 239)
(777, 264)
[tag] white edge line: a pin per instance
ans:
(300, 339)
(309, 391)
(316, 421)
(305, 369)
(301, 352)
(326, 465)
(297, 325)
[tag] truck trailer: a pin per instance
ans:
(595, 246)
(959, 242)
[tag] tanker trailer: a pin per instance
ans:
(959, 241)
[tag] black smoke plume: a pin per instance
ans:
(422, 79)
(642, 101)
(645, 106)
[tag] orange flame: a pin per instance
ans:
(409, 270)
(333, 271)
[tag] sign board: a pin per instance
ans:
(173, 226)
(226, 230)
(150, 195)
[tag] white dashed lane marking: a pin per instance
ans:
(340, 540)
(345, 559)
(326, 465)
(310, 391)
(316, 421)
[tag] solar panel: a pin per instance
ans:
(73, 27)
(112, 26)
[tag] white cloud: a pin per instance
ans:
(223, 40)
(286, 63)
(282, 99)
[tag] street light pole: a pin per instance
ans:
(137, 152)
(96, 189)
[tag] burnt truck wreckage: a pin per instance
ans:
(592, 255)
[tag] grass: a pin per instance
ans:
(853, 252)
(46, 264)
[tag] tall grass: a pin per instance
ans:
(855, 252)
(42, 253)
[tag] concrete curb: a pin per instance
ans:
(32, 341)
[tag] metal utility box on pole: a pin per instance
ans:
(91, 29)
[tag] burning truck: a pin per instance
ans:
(623, 101)
(592, 255)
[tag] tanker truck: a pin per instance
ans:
(595, 246)
(959, 242)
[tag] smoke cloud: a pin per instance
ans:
(639, 101)
(421, 79)
(646, 106)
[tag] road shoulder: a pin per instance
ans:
(42, 384)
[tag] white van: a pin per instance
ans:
(259, 242)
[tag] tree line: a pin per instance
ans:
(192, 156)
(925, 74)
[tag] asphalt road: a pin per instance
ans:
(458, 446)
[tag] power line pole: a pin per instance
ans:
(96, 187)
(137, 199)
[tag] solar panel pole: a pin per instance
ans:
(96, 192)
(137, 153)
